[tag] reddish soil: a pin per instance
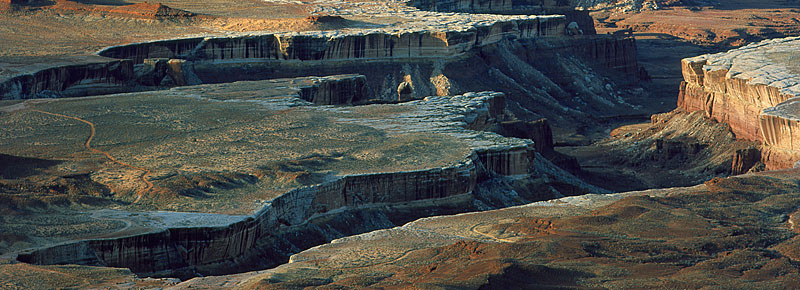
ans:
(729, 24)
(137, 10)
(731, 234)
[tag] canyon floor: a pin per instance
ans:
(398, 145)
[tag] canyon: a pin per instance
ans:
(333, 192)
(393, 144)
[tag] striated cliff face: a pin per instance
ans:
(265, 239)
(311, 215)
(613, 52)
(366, 44)
(525, 247)
(335, 90)
(524, 64)
(188, 59)
(69, 76)
(779, 126)
(419, 55)
(753, 90)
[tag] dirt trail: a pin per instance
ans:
(474, 229)
(88, 145)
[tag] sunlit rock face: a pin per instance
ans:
(753, 89)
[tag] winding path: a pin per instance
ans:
(474, 229)
(88, 145)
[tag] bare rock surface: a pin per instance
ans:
(679, 237)
(260, 167)
(752, 89)
(197, 173)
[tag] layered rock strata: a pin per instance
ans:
(416, 55)
(24, 78)
(307, 216)
(617, 52)
(417, 52)
(585, 242)
(753, 89)
(542, 135)
(427, 75)
(443, 39)
(779, 126)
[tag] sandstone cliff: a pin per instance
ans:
(614, 52)
(311, 215)
(420, 55)
(335, 90)
(80, 76)
(445, 41)
(535, 246)
(752, 89)
(65, 76)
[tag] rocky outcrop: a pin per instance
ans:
(311, 215)
(525, 247)
(617, 52)
(77, 76)
(150, 10)
(266, 239)
(211, 59)
(669, 149)
(753, 90)
(471, 6)
(446, 41)
(778, 126)
(542, 135)
(449, 75)
(425, 52)
(744, 160)
(335, 90)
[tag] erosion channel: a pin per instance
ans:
(217, 153)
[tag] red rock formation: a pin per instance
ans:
(151, 10)
(753, 90)
(745, 159)
(137, 10)
(778, 126)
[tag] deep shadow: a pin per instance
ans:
(32, 3)
(13, 167)
(535, 277)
